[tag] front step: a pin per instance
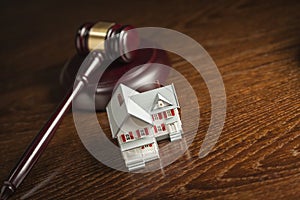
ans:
(175, 136)
(136, 164)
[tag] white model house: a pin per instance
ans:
(139, 120)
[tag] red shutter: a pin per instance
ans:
(160, 115)
(146, 131)
(163, 127)
(152, 117)
(173, 112)
(138, 133)
(165, 115)
(123, 138)
(143, 147)
(131, 135)
(155, 129)
(150, 145)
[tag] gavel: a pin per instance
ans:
(111, 37)
(101, 40)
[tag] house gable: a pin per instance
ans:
(147, 100)
(160, 101)
(117, 110)
(131, 125)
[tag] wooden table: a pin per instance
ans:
(256, 46)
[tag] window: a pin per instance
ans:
(159, 128)
(120, 99)
(170, 113)
(127, 137)
(160, 104)
(155, 117)
(142, 132)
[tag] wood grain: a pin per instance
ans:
(255, 44)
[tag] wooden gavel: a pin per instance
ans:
(113, 38)
(102, 40)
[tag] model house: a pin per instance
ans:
(139, 120)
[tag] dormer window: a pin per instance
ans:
(120, 99)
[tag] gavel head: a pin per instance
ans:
(117, 41)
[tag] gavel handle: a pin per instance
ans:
(38, 145)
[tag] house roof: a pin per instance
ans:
(137, 106)
(123, 115)
(146, 100)
(138, 112)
